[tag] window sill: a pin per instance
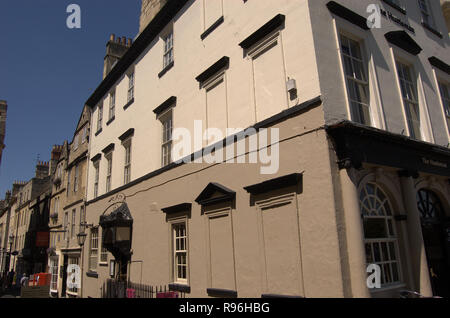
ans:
(387, 288)
(432, 30)
(128, 104)
(166, 69)
(395, 6)
(98, 132)
(110, 121)
(223, 293)
(179, 287)
(92, 274)
(72, 294)
(103, 264)
(214, 26)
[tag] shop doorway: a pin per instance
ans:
(436, 236)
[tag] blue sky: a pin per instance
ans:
(48, 71)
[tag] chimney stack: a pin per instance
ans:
(42, 169)
(149, 10)
(55, 156)
(17, 186)
(115, 50)
(8, 196)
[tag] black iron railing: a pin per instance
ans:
(118, 289)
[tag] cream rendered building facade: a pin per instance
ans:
(227, 230)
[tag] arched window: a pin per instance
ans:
(429, 205)
(380, 238)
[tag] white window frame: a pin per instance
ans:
(168, 49)
(166, 120)
(96, 177)
(93, 249)
(99, 117)
(442, 78)
(131, 83)
(127, 144)
(112, 104)
(392, 238)
(376, 111)
(73, 223)
(349, 80)
(73, 260)
(54, 268)
(413, 62)
(109, 167)
(406, 99)
(174, 224)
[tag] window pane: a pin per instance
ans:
(376, 252)
(375, 228)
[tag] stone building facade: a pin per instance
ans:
(350, 167)
(68, 206)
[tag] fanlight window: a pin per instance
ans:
(380, 238)
(429, 205)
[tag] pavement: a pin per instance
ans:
(10, 293)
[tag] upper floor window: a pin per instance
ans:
(73, 223)
(68, 180)
(84, 134)
(425, 11)
(356, 80)
(76, 178)
(108, 171)
(66, 223)
(82, 216)
(112, 105)
(410, 99)
(100, 117)
(168, 49)
(166, 148)
(381, 243)
(131, 86)
(76, 141)
(445, 97)
(96, 178)
(127, 165)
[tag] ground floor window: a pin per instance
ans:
(380, 239)
(180, 252)
(73, 260)
(54, 273)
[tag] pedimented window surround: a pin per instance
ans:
(217, 203)
(278, 222)
(280, 243)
